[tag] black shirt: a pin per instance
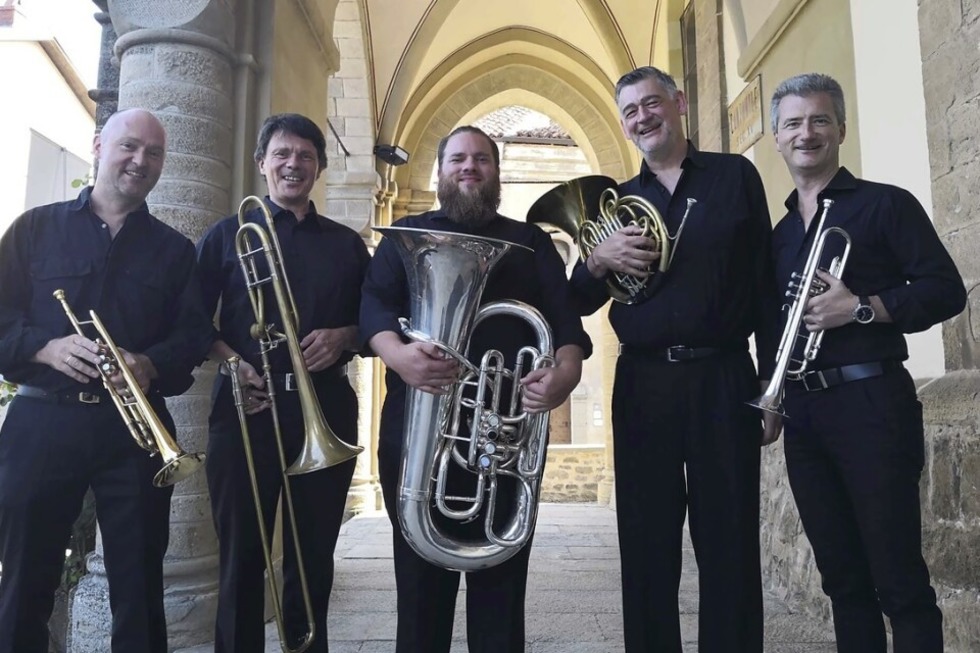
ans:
(535, 276)
(324, 260)
(720, 287)
(895, 254)
(142, 284)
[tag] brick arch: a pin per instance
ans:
(597, 135)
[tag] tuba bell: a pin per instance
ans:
(590, 210)
(472, 427)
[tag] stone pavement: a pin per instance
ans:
(573, 599)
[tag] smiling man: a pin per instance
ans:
(325, 262)
(854, 443)
(686, 442)
(63, 433)
(469, 194)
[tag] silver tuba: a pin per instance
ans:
(472, 426)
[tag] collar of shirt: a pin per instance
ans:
(83, 204)
(439, 216)
(692, 158)
(843, 180)
(312, 217)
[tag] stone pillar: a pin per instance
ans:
(607, 346)
(352, 185)
(948, 36)
(176, 60)
(106, 96)
(411, 201)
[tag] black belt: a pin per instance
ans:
(823, 379)
(675, 354)
(63, 396)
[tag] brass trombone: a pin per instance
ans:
(802, 286)
(321, 446)
(139, 417)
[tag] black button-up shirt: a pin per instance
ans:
(324, 260)
(535, 276)
(895, 254)
(720, 287)
(142, 284)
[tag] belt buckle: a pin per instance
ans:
(818, 375)
(670, 354)
(89, 398)
(290, 382)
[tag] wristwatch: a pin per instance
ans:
(863, 313)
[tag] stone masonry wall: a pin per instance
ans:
(571, 473)
(949, 32)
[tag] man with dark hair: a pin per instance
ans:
(469, 194)
(686, 442)
(855, 443)
(63, 434)
(325, 263)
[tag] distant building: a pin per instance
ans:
(47, 118)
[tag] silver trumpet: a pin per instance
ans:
(472, 427)
(802, 286)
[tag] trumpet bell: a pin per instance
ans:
(178, 469)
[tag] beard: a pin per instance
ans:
(472, 209)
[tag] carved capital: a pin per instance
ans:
(204, 23)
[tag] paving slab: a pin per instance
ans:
(573, 600)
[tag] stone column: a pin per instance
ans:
(352, 184)
(106, 96)
(176, 60)
(607, 346)
(948, 36)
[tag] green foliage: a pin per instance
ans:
(84, 181)
(7, 392)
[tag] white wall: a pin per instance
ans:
(891, 106)
(35, 97)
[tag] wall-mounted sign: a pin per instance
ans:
(745, 117)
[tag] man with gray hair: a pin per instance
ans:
(854, 443)
(686, 440)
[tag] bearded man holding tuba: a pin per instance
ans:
(530, 271)
(686, 443)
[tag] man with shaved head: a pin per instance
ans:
(62, 433)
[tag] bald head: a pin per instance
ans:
(130, 149)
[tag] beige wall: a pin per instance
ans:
(48, 107)
(818, 38)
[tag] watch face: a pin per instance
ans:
(864, 314)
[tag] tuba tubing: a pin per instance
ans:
(446, 274)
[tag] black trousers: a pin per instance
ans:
(50, 454)
(854, 454)
(686, 442)
(319, 499)
(427, 593)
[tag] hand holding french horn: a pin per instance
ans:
(626, 251)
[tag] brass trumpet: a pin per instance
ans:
(321, 446)
(802, 286)
(139, 417)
